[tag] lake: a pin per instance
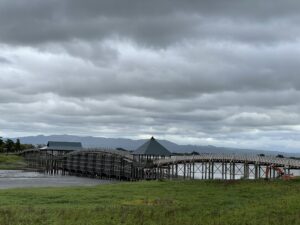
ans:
(23, 179)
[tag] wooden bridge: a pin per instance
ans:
(116, 164)
(98, 163)
(226, 166)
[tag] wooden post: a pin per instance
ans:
(223, 171)
(212, 170)
(226, 168)
(193, 170)
(202, 170)
(233, 171)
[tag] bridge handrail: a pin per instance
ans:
(104, 150)
(87, 150)
(286, 162)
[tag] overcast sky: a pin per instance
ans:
(224, 73)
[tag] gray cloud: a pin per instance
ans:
(201, 72)
(155, 23)
(4, 60)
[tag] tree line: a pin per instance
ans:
(9, 146)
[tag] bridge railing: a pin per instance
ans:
(107, 150)
(253, 159)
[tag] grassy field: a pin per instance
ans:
(11, 162)
(156, 202)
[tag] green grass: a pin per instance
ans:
(156, 202)
(11, 162)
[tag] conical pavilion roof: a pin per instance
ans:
(152, 147)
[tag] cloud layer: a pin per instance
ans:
(205, 72)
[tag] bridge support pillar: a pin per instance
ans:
(233, 171)
(246, 171)
(205, 172)
(256, 168)
(193, 170)
(209, 170)
(230, 170)
(226, 170)
(223, 171)
(212, 170)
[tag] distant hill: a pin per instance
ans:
(129, 144)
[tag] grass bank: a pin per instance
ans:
(11, 162)
(164, 202)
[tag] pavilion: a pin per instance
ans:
(150, 150)
(60, 148)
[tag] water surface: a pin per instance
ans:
(22, 179)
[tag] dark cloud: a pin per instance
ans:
(155, 23)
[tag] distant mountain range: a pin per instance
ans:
(129, 144)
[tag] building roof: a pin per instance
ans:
(63, 146)
(152, 147)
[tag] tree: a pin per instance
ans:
(9, 145)
(1, 144)
(18, 145)
(1, 141)
(27, 146)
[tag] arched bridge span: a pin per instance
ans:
(101, 163)
(223, 166)
(246, 159)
